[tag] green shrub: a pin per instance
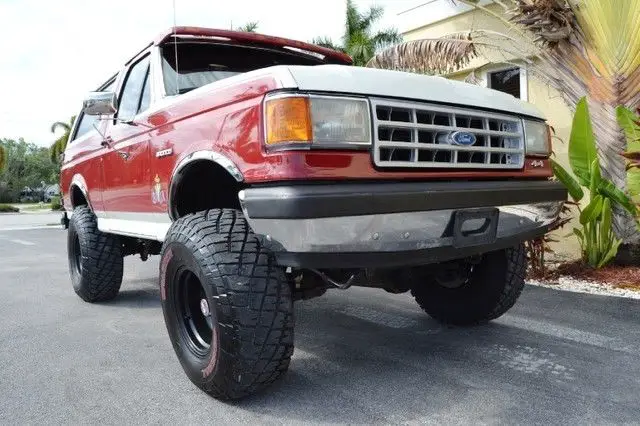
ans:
(598, 243)
(6, 208)
(56, 204)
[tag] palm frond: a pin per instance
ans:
(328, 43)
(386, 38)
(352, 23)
(249, 27)
(373, 15)
(550, 21)
(432, 55)
(60, 144)
(64, 126)
(472, 78)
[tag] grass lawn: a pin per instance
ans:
(31, 207)
(7, 208)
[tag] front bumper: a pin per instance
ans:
(396, 224)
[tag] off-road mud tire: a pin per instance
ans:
(491, 290)
(249, 304)
(95, 258)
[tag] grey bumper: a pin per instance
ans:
(395, 224)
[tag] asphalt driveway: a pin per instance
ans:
(362, 356)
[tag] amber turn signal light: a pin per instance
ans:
(288, 121)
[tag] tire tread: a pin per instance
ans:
(102, 258)
(226, 247)
(506, 283)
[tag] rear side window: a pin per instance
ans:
(131, 97)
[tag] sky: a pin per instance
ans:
(53, 52)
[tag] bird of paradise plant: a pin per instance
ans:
(598, 243)
(630, 123)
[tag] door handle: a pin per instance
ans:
(108, 142)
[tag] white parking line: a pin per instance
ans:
(23, 242)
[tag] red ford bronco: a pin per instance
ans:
(264, 170)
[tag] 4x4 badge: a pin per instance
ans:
(158, 195)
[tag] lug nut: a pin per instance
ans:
(204, 307)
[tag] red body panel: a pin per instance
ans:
(226, 119)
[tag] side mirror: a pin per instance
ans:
(99, 103)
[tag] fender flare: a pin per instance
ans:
(211, 156)
(79, 182)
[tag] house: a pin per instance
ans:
(503, 69)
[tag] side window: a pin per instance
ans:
(146, 95)
(131, 95)
(86, 122)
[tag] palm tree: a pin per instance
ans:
(581, 48)
(359, 41)
(249, 27)
(328, 43)
(3, 157)
(60, 144)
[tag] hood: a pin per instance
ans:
(398, 84)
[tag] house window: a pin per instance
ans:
(507, 80)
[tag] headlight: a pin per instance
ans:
(295, 121)
(538, 137)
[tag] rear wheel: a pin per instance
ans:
(227, 307)
(473, 293)
(95, 258)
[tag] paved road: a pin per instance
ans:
(362, 356)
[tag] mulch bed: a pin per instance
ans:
(617, 276)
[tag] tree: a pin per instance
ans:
(249, 27)
(27, 165)
(581, 48)
(328, 43)
(60, 144)
(3, 159)
(359, 40)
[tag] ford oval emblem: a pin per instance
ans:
(463, 138)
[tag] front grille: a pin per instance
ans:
(409, 134)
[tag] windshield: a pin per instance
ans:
(201, 63)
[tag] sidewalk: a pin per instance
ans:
(29, 220)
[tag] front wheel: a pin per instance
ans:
(227, 307)
(474, 293)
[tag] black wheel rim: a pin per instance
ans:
(454, 277)
(194, 313)
(76, 261)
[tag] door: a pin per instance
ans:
(82, 159)
(126, 165)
